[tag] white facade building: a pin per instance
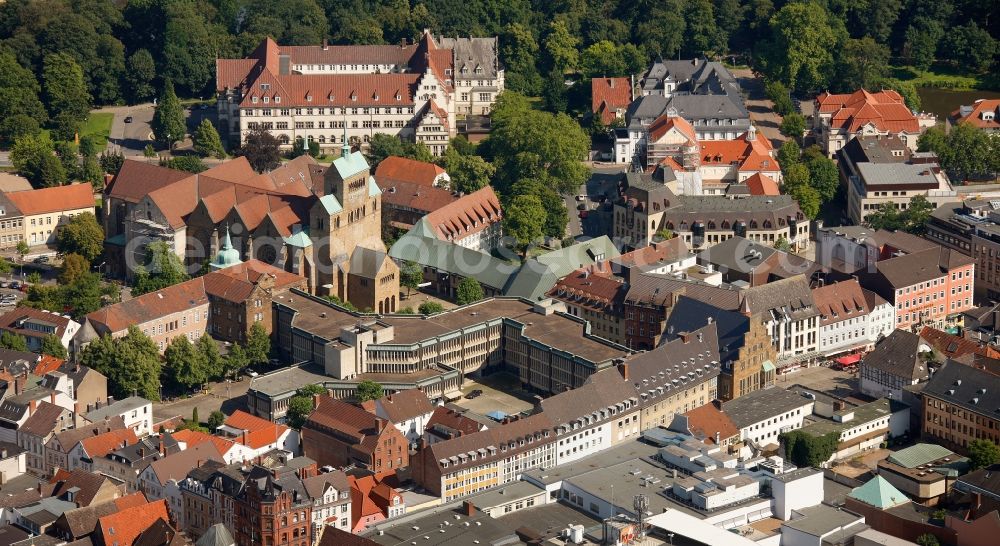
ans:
(137, 412)
(323, 93)
(851, 317)
(763, 415)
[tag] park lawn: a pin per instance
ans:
(98, 126)
(944, 77)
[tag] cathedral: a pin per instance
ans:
(323, 223)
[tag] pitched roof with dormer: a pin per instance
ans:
(608, 96)
(466, 216)
(885, 110)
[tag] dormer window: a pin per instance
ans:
(265, 99)
(987, 116)
(265, 86)
(354, 97)
(375, 96)
(253, 100)
(479, 70)
(398, 96)
(309, 98)
(277, 98)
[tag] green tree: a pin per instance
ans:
(781, 243)
(468, 291)
(139, 77)
(704, 38)
(983, 453)
(208, 352)
(261, 149)
(13, 342)
(927, 539)
(430, 308)
(163, 268)
(519, 49)
(554, 92)
(824, 176)
(561, 46)
(661, 31)
(168, 120)
(922, 38)
(603, 59)
(887, 216)
(789, 153)
(73, 267)
(410, 276)
(862, 63)
(527, 143)
(34, 158)
(183, 365)
(187, 163)
(111, 162)
(793, 125)
(66, 95)
(82, 235)
(17, 126)
(131, 364)
(800, 50)
(806, 450)
(258, 345)
(236, 360)
(524, 220)
(299, 408)
(468, 173)
(970, 47)
(779, 95)
(215, 420)
(53, 347)
(190, 46)
(369, 390)
(206, 140)
(383, 145)
(19, 98)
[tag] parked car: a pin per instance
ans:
(581, 206)
(14, 285)
(41, 260)
(475, 393)
(128, 119)
(251, 373)
(583, 214)
(581, 197)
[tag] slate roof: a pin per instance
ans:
(967, 387)
(689, 314)
(218, 535)
(45, 420)
(918, 267)
(116, 408)
(898, 354)
(504, 439)
(87, 485)
(696, 361)
(878, 492)
(602, 389)
(316, 485)
(789, 297)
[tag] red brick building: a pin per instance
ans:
(273, 509)
(339, 434)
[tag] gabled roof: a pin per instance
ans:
(176, 466)
(102, 444)
(11, 320)
(350, 165)
(192, 438)
(607, 95)
(150, 306)
(44, 420)
(967, 387)
(761, 184)
(898, 354)
(468, 215)
(952, 346)
(402, 169)
(918, 267)
(236, 283)
(405, 405)
(123, 528)
(885, 110)
(54, 199)
(974, 114)
(259, 432)
(667, 122)
(840, 301)
(879, 493)
(85, 484)
(70, 437)
(708, 420)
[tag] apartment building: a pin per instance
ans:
(11, 223)
(960, 405)
(44, 210)
(472, 221)
(340, 434)
(972, 227)
(646, 206)
(894, 364)
(761, 416)
(842, 117)
(346, 94)
(790, 315)
(877, 170)
(34, 325)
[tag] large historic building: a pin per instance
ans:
(414, 91)
(323, 223)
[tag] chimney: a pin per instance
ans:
(624, 370)
(31, 406)
(18, 384)
(163, 450)
(685, 337)
(142, 452)
(469, 508)
(326, 44)
(380, 423)
(316, 399)
(718, 437)
(244, 442)
(976, 503)
(52, 398)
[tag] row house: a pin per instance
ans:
(127, 463)
(34, 325)
(340, 94)
(339, 434)
(842, 117)
(58, 446)
(86, 451)
(790, 315)
(47, 420)
(972, 227)
(896, 363)
(851, 318)
(162, 478)
(646, 206)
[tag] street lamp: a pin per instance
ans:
(670, 537)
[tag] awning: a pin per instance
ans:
(768, 366)
(849, 359)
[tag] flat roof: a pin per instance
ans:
(822, 519)
(625, 480)
(288, 379)
(504, 494)
(608, 457)
(762, 405)
(554, 329)
(862, 414)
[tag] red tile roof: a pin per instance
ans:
(467, 215)
(402, 169)
(452, 420)
(840, 301)
(585, 289)
(122, 528)
(404, 405)
(665, 123)
(975, 116)
(237, 282)
(136, 311)
(886, 110)
(102, 444)
(259, 432)
(48, 364)
(749, 155)
(55, 199)
(607, 95)
(12, 319)
(705, 421)
(418, 197)
(131, 501)
(192, 438)
(952, 346)
(761, 184)
(656, 253)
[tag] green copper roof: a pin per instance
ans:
(299, 239)
(350, 165)
(879, 493)
(331, 204)
(373, 189)
(227, 256)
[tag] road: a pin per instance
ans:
(603, 183)
(227, 396)
(132, 138)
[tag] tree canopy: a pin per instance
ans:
(369, 390)
(131, 363)
(82, 235)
